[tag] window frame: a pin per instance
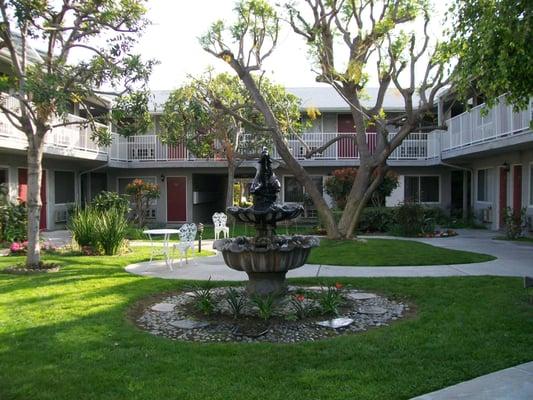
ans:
(303, 188)
(420, 188)
(487, 199)
(55, 187)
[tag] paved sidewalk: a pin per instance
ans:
(515, 383)
(513, 259)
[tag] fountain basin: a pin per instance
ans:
(266, 260)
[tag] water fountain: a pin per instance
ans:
(267, 257)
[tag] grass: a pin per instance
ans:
(234, 230)
(389, 252)
(66, 336)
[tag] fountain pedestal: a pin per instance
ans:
(266, 258)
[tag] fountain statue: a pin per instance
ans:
(267, 257)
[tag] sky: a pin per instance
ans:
(173, 40)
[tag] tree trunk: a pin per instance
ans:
(323, 210)
(231, 182)
(34, 203)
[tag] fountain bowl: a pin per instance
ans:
(266, 260)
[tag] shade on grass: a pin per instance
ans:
(66, 336)
(389, 252)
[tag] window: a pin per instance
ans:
(422, 189)
(531, 184)
(483, 185)
(3, 176)
(64, 187)
(293, 192)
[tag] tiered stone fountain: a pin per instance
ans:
(267, 257)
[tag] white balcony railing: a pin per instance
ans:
(140, 148)
(479, 125)
(66, 140)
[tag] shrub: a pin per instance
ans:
(101, 231)
(377, 219)
(83, 226)
(142, 193)
(338, 186)
(515, 222)
(266, 305)
(111, 230)
(301, 307)
(107, 200)
(330, 299)
(203, 298)
(236, 301)
(13, 218)
(410, 219)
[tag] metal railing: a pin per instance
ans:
(59, 140)
(417, 146)
(481, 125)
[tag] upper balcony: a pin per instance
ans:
(145, 149)
(68, 141)
(480, 130)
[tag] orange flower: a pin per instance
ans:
(338, 285)
(300, 297)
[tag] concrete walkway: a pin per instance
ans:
(514, 383)
(513, 259)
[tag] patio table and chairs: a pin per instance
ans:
(166, 233)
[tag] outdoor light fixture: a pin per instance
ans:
(506, 166)
(200, 232)
(162, 177)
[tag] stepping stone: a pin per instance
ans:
(163, 307)
(372, 310)
(336, 323)
(188, 324)
(361, 296)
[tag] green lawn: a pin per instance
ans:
(389, 252)
(65, 336)
(239, 230)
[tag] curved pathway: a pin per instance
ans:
(513, 259)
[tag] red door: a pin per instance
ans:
(23, 193)
(517, 189)
(346, 147)
(503, 195)
(176, 199)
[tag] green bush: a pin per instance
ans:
(13, 219)
(410, 219)
(377, 219)
(107, 200)
(515, 222)
(102, 231)
(111, 230)
(83, 226)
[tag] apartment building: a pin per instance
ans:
(482, 162)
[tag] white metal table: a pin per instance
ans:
(166, 239)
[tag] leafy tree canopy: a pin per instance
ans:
(215, 114)
(494, 43)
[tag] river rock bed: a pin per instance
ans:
(176, 317)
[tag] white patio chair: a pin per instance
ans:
(187, 234)
(219, 221)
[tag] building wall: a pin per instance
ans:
(12, 162)
(493, 164)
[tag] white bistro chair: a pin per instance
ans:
(219, 221)
(187, 234)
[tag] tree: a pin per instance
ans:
(196, 116)
(88, 48)
(338, 186)
(372, 34)
(493, 41)
(141, 194)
